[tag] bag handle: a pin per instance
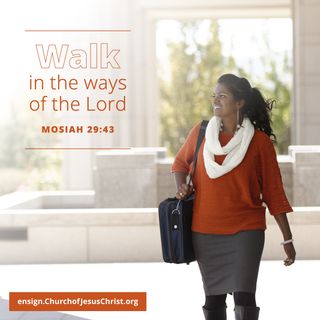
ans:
(201, 135)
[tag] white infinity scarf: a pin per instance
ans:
(235, 149)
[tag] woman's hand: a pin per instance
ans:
(184, 191)
(290, 252)
(283, 223)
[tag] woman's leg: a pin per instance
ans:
(244, 298)
(214, 301)
(215, 307)
(245, 306)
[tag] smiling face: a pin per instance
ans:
(224, 104)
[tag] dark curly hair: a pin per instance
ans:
(256, 107)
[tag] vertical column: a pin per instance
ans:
(306, 117)
(78, 165)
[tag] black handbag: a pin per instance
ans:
(175, 219)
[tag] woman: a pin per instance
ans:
(236, 174)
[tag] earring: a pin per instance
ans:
(238, 121)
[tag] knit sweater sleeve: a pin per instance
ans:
(184, 157)
(273, 193)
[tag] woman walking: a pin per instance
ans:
(237, 173)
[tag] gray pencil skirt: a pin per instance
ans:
(229, 262)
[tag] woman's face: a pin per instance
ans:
(224, 103)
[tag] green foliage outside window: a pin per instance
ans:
(185, 97)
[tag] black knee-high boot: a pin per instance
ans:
(215, 313)
(246, 312)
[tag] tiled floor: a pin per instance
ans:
(173, 291)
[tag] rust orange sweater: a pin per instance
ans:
(235, 201)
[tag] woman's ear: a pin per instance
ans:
(240, 103)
